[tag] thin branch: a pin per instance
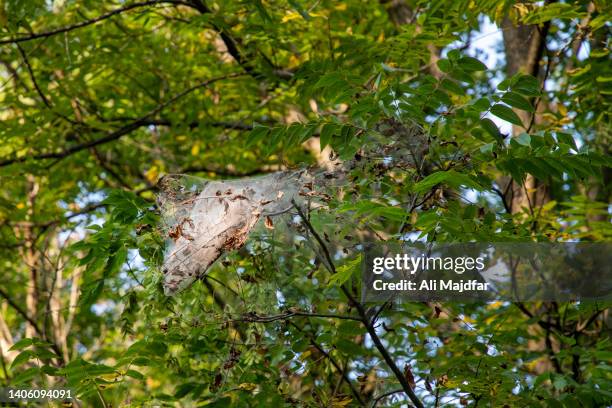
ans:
(89, 22)
(19, 310)
(122, 131)
(333, 361)
(255, 318)
(363, 316)
(386, 394)
(229, 42)
(32, 77)
(32, 322)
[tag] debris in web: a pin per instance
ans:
(203, 219)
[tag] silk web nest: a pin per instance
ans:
(203, 219)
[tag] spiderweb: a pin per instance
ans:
(203, 219)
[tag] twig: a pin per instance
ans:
(335, 364)
(122, 131)
(86, 23)
(363, 315)
(32, 322)
(386, 394)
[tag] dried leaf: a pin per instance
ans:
(268, 223)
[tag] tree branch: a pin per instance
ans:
(386, 394)
(122, 131)
(89, 22)
(32, 322)
(233, 50)
(255, 318)
(363, 315)
(335, 364)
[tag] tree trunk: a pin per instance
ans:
(524, 46)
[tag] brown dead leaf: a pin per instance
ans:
(409, 376)
(268, 223)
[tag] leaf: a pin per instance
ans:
(452, 87)
(444, 65)
(257, 134)
(134, 374)
(21, 344)
(517, 101)
(523, 139)
(527, 85)
(490, 127)
(471, 64)
(567, 139)
(26, 376)
(482, 104)
(344, 272)
(505, 113)
(327, 133)
(22, 358)
(450, 177)
(559, 382)
(328, 79)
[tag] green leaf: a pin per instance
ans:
(517, 101)
(505, 113)
(559, 382)
(490, 127)
(258, 133)
(134, 374)
(482, 104)
(450, 177)
(21, 344)
(452, 87)
(444, 65)
(453, 54)
(567, 139)
(471, 64)
(344, 272)
(22, 358)
(523, 139)
(327, 134)
(26, 376)
(527, 85)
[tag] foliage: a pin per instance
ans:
(113, 95)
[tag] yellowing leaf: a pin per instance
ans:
(247, 386)
(152, 174)
(195, 149)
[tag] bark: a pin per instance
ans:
(31, 257)
(524, 46)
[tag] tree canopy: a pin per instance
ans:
(501, 110)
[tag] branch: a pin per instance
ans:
(86, 23)
(32, 322)
(386, 394)
(335, 364)
(229, 42)
(122, 131)
(233, 50)
(19, 310)
(195, 124)
(363, 315)
(255, 318)
(32, 77)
